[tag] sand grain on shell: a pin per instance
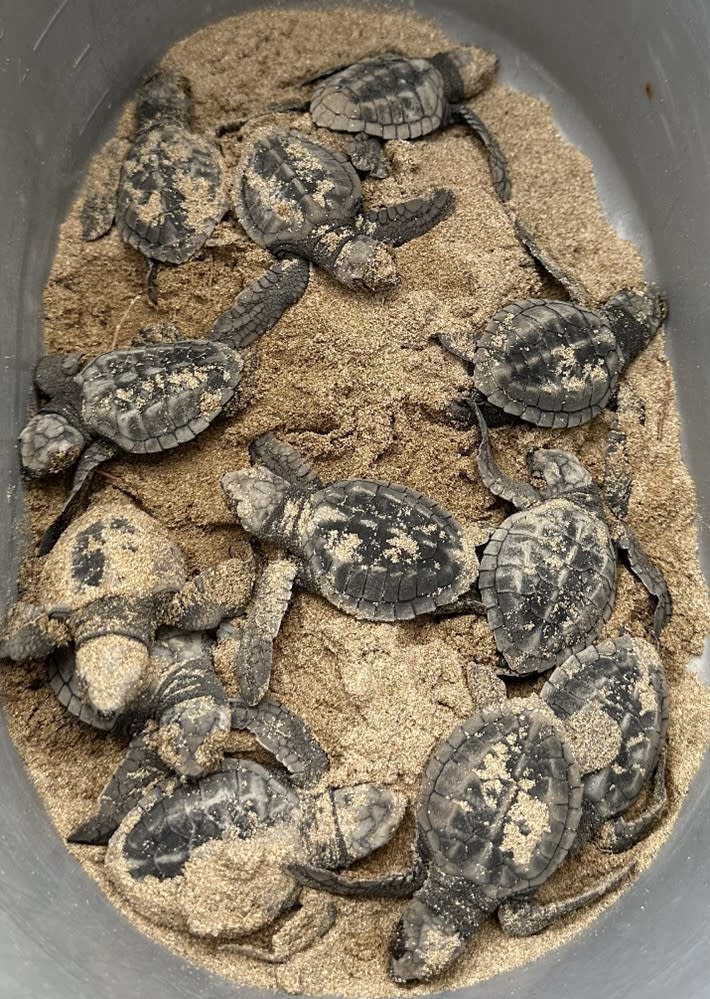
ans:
(357, 383)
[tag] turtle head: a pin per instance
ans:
(635, 317)
(48, 444)
(193, 735)
(258, 497)
(54, 370)
(363, 262)
(366, 816)
(466, 71)
(164, 96)
(427, 941)
(560, 470)
(110, 670)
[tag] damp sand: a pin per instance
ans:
(356, 383)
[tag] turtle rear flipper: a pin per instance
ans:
(624, 833)
(139, 769)
(406, 220)
(285, 735)
(368, 156)
(98, 212)
(261, 305)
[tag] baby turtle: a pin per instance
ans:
(548, 574)
(302, 201)
(501, 804)
(499, 809)
(254, 823)
(377, 550)
(171, 192)
(392, 96)
(148, 398)
(555, 364)
(178, 722)
(113, 577)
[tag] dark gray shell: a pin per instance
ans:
(620, 686)
(551, 363)
(240, 799)
(382, 551)
(288, 184)
(501, 801)
(388, 95)
(171, 193)
(152, 398)
(548, 582)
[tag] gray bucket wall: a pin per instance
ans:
(65, 68)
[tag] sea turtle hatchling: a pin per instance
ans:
(516, 789)
(374, 549)
(178, 722)
(302, 201)
(252, 822)
(146, 399)
(171, 191)
(553, 363)
(547, 576)
(111, 580)
(393, 96)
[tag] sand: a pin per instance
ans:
(356, 382)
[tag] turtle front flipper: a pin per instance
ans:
(399, 885)
(617, 472)
(261, 305)
(285, 735)
(525, 917)
(648, 573)
(29, 633)
(101, 189)
(137, 772)
(497, 163)
(300, 931)
(284, 460)
(96, 454)
(521, 494)
(406, 220)
(367, 155)
(218, 592)
(272, 596)
(577, 292)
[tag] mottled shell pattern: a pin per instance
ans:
(287, 185)
(382, 551)
(553, 364)
(111, 553)
(389, 96)
(613, 701)
(501, 801)
(547, 582)
(151, 398)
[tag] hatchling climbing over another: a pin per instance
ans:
(377, 550)
(515, 790)
(148, 398)
(547, 576)
(253, 822)
(393, 96)
(552, 363)
(111, 580)
(178, 723)
(170, 193)
(302, 201)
